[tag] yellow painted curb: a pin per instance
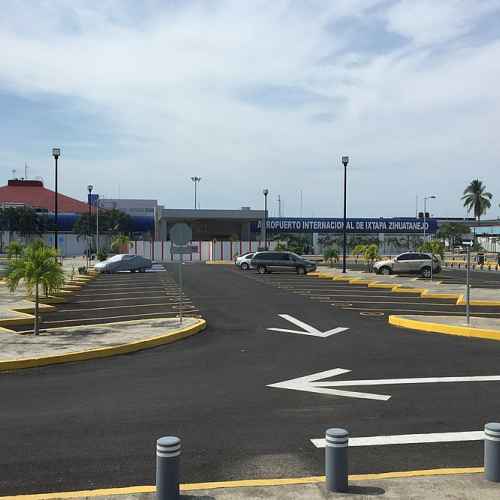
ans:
(402, 289)
(104, 352)
(430, 327)
(461, 302)
(346, 277)
(376, 284)
(131, 490)
(360, 281)
(436, 295)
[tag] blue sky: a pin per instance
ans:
(140, 96)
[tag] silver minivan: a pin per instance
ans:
(409, 263)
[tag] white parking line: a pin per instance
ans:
(435, 437)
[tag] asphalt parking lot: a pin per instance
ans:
(120, 297)
(370, 302)
(251, 395)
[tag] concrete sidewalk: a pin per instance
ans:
(455, 486)
(404, 284)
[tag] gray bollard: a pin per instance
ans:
(492, 452)
(168, 450)
(336, 466)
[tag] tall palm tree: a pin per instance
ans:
(476, 198)
(37, 267)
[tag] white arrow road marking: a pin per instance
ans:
(307, 329)
(436, 437)
(310, 383)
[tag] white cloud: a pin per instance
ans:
(170, 81)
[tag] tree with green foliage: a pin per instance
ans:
(14, 250)
(434, 247)
(280, 247)
(476, 199)
(37, 267)
(371, 255)
(452, 232)
(119, 241)
(331, 255)
(23, 220)
(358, 250)
(111, 222)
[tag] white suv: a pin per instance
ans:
(409, 263)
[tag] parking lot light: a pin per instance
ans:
(196, 180)
(431, 197)
(265, 192)
(56, 152)
(89, 188)
(345, 161)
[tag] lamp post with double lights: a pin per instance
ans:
(56, 152)
(345, 161)
(431, 197)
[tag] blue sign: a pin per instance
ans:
(395, 225)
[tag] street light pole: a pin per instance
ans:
(431, 197)
(345, 161)
(89, 187)
(265, 192)
(195, 180)
(56, 152)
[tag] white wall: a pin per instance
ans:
(205, 250)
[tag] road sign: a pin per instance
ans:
(311, 383)
(181, 233)
(306, 329)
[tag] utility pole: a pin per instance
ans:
(345, 161)
(279, 206)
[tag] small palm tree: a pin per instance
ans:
(358, 250)
(15, 249)
(330, 255)
(119, 241)
(36, 267)
(371, 255)
(476, 198)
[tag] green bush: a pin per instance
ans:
(102, 255)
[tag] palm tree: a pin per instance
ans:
(371, 255)
(476, 199)
(37, 267)
(119, 241)
(14, 249)
(330, 255)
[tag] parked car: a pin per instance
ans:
(265, 262)
(409, 263)
(124, 262)
(244, 261)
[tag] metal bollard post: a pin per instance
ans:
(168, 450)
(336, 466)
(492, 452)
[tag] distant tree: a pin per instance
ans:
(476, 199)
(23, 220)
(14, 250)
(358, 250)
(37, 267)
(371, 254)
(119, 242)
(111, 222)
(331, 255)
(434, 247)
(452, 231)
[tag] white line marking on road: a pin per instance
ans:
(436, 437)
(310, 383)
(308, 329)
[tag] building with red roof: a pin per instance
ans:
(33, 194)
